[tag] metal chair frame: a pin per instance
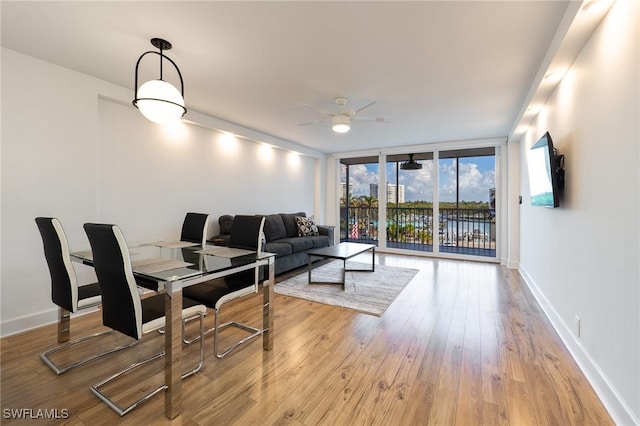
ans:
(58, 257)
(124, 410)
(255, 332)
(123, 309)
(64, 327)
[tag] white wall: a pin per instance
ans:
(582, 258)
(73, 147)
(512, 200)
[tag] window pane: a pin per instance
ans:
(359, 204)
(410, 203)
(467, 202)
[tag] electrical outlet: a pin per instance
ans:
(577, 325)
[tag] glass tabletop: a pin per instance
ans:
(162, 263)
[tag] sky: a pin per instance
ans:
(477, 176)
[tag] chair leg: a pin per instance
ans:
(120, 410)
(184, 332)
(196, 337)
(64, 325)
(59, 370)
(124, 410)
(255, 332)
(201, 337)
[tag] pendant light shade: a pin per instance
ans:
(158, 100)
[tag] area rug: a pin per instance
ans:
(368, 292)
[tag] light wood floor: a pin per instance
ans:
(464, 344)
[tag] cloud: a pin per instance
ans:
(360, 177)
(418, 184)
(474, 182)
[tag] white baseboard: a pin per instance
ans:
(31, 321)
(28, 322)
(613, 402)
(513, 264)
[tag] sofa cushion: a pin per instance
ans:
(287, 263)
(298, 244)
(319, 240)
(274, 227)
(289, 220)
(306, 226)
(280, 249)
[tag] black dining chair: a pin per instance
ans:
(67, 294)
(246, 233)
(194, 228)
(122, 308)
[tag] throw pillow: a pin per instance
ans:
(306, 226)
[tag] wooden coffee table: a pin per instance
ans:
(343, 251)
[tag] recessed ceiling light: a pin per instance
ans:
(554, 77)
(534, 109)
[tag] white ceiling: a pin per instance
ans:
(439, 70)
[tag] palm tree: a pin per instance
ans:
(368, 203)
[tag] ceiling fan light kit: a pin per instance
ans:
(341, 123)
(158, 100)
(341, 119)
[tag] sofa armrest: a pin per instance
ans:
(327, 230)
(219, 240)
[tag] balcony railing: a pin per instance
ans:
(465, 231)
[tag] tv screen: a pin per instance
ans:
(544, 168)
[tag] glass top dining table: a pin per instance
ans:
(168, 267)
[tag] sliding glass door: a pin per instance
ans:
(409, 202)
(467, 207)
(359, 200)
(455, 216)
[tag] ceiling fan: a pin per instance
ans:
(341, 119)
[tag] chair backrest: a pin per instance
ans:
(121, 306)
(194, 228)
(246, 232)
(64, 283)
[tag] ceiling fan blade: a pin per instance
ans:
(357, 110)
(320, 110)
(314, 122)
(365, 118)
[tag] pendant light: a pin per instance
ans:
(158, 100)
(411, 164)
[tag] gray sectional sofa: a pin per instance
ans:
(281, 238)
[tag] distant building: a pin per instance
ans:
(392, 191)
(343, 190)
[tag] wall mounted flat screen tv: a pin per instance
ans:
(546, 173)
